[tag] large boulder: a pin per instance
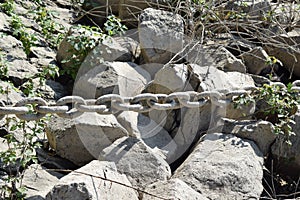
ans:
(139, 162)
(81, 140)
(223, 167)
(126, 79)
(160, 34)
(96, 180)
(172, 189)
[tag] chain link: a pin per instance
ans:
(74, 106)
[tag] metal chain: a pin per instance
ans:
(73, 106)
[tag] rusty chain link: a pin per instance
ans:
(73, 106)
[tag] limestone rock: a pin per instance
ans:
(287, 51)
(126, 79)
(256, 60)
(216, 56)
(12, 47)
(38, 182)
(150, 132)
(172, 189)
(288, 156)
(10, 95)
(135, 159)
(20, 71)
(85, 183)
(80, 140)
(261, 132)
(171, 78)
(224, 167)
(4, 22)
(160, 34)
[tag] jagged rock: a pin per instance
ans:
(172, 189)
(20, 71)
(43, 52)
(85, 183)
(12, 47)
(161, 35)
(224, 167)
(152, 68)
(151, 133)
(287, 156)
(4, 22)
(38, 182)
(140, 163)
(81, 140)
(9, 96)
(261, 132)
(255, 60)
(287, 51)
(171, 78)
(122, 49)
(216, 56)
(126, 79)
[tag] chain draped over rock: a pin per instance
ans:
(36, 108)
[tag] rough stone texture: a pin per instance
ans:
(140, 163)
(82, 139)
(217, 56)
(151, 133)
(172, 189)
(12, 47)
(288, 156)
(123, 49)
(4, 22)
(224, 167)
(126, 79)
(161, 35)
(288, 56)
(255, 60)
(20, 70)
(38, 182)
(261, 132)
(171, 78)
(80, 184)
(10, 96)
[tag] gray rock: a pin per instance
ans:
(287, 51)
(171, 78)
(126, 79)
(151, 133)
(224, 167)
(80, 140)
(261, 132)
(288, 156)
(160, 34)
(140, 163)
(38, 182)
(20, 71)
(214, 56)
(255, 60)
(4, 22)
(10, 95)
(85, 183)
(12, 47)
(172, 189)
